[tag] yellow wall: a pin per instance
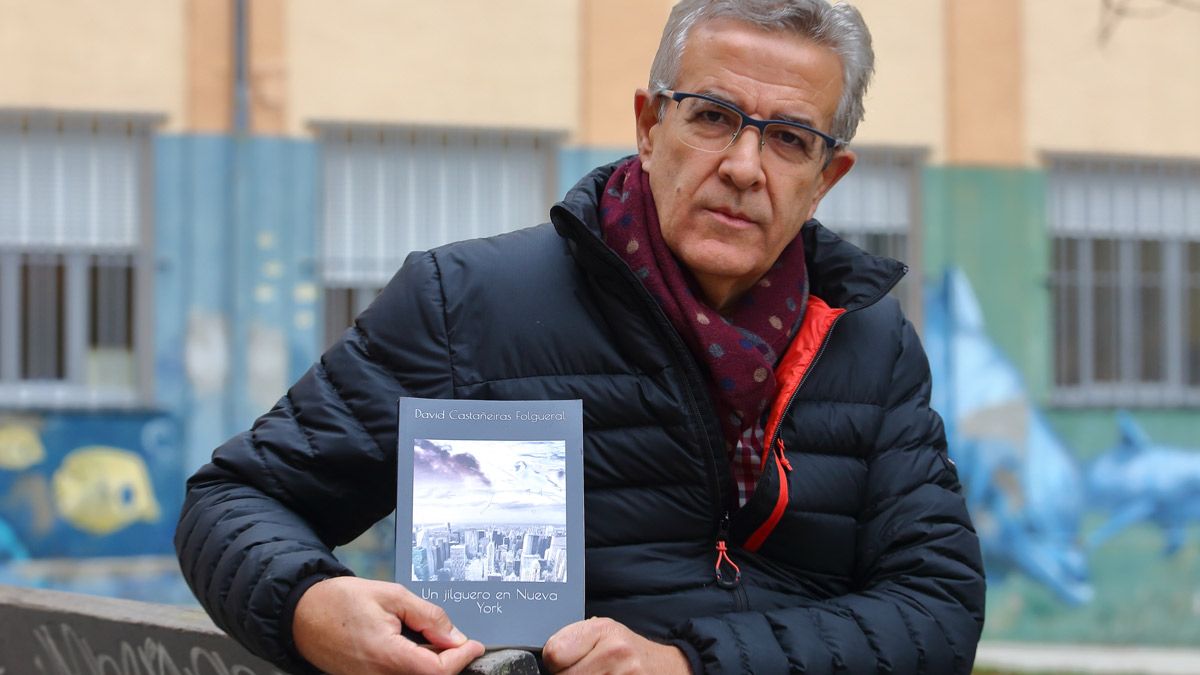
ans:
(985, 123)
(268, 67)
(1139, 93)
(209, 36)
(467, 62)
(110, 55)
(572, 65)
(906, 103)
(619, 40)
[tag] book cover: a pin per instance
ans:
(489, 514)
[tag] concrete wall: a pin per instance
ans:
(67, 633)
(61, 633)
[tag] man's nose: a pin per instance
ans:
(741, 163)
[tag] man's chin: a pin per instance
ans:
(716, 269)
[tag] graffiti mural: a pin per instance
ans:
(1141, 481)
(1024, 489)
(1076, 550)
(84, 485)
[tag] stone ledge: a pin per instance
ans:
(73, 634)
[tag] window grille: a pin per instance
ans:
(73, 318)
(876, 207)
(342, 305)
(1125, 278)
(390, 191)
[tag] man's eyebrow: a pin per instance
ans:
(714, 94)
(798, 119)
(802, 119)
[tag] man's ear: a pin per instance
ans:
(839, 165)
(645, 111)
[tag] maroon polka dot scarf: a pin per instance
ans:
(741, 348)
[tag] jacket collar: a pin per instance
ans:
(839, 272)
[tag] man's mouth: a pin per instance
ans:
(732, 218)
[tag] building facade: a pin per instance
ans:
(196, 196)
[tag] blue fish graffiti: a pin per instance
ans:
(1139, 480)
(1023, 486)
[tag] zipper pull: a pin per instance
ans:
(723, 559)
(783, 457)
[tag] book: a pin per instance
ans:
(489, 514)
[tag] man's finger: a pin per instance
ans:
(429, 620)
(408, 657)
(455, 659)
(569, 645)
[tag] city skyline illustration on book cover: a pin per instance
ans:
(489, 517)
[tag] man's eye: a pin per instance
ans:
(791, 139)
(713, 116)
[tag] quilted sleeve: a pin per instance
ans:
(919, 606)
(259, 522)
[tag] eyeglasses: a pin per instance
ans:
(712, 125)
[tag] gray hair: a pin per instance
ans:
(839, 27)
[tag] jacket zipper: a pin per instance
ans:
(764, 530)
(688, 362)
(777, 436)
(728, 574)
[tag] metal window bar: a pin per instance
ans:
(1140, 218)
(72, 242)
(1087, 314)
(1065, 290)
(1187, 319)
(10, 323)
(389, 191)
(877, 208)
(342, 305)
(1190, 316)
(1151, 308)
(1128, 330)
(1180, 357)
(41, 318)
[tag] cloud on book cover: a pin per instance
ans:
(489, 481)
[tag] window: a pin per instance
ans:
(1125, 278)
(73, 259)
(391, 191)
(875, 207)
(342, 304)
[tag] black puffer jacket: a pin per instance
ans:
(856, 552)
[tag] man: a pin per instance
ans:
(766, 488)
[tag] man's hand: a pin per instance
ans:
(605, 646)
(352, 625)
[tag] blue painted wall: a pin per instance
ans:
(575, 163)
(237, 311)
(236, 320)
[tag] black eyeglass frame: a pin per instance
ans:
(831, 144)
